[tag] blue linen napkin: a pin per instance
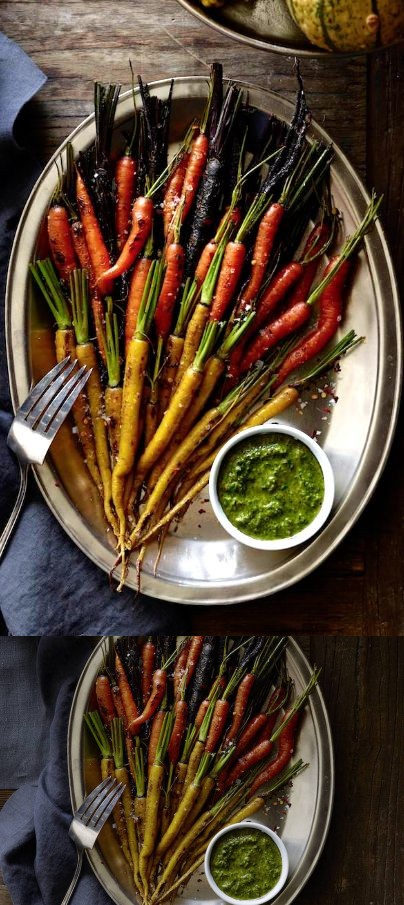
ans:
(47, 584)
(37, 857)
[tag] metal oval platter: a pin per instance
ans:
(200, 564)
(265, 24)
(303, 826)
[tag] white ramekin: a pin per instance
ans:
(281, 543)
(250, 824)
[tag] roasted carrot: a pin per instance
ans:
(83, 256)
(221, 713)
(193, 174)
(240, 705)
(193, 656)
(86, 355)
(136, 289)
(97, 248)
(177, 735)
(179, 403)
(125, 181)
(148, 655)
(264, 242)
(113, 391)
(105, 699)
(173, 191)
(46, 278)
(142, 221)
(60, 241)
(174, 257)
(156, 727)
(153, 800)
(180, 668)
(128, 701)
(134, 378)
(159, 684)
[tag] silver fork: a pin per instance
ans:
(89, 820)
(37, 421)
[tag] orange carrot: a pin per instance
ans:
(229, 276)
(159, 684)
(217, 725)
(174, 267)
(180, 722)
(193, 174)
(148, 656)
(125, 178)
(240, 705)
(172, 194)
(142, 220)
(180, 668)
(98, 251)
(193, 655)
(137, 284)
(83, 255)
(156, 727)
(248, 760)
(263, 245)
(60, 241)
(105, 699)
(128, 701)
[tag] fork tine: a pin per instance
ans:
(36, 410)
(99, 790)
(60, 407)
(106, 807)
(40, 387)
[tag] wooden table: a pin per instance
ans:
(359, 589)
(362, 681)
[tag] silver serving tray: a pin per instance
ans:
(200, 564)
(303, 828)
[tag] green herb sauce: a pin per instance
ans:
(270, 486)
(246, 863)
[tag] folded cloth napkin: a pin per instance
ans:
(47, 585)
(23, 753)
(37, 857)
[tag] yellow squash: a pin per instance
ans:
(349, 25)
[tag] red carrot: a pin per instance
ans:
(330, 314)
(98, 251)
(60, 241)
(148, 655)
(263, 245)
(180, 667)
(240, 705)
(248, 760)
(136, 287)
(125, 179)
(83, 255)
(173, 191)
(105, 699)
(286, 745)
(118, 704)
(193, 655)
(194, 171)
(157, 693)
(142, 220)
(128, 701)
(174, 267)
(217, 725)
(230, 272)
(177, 735)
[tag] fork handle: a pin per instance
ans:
(8, 530)
(72, 886)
